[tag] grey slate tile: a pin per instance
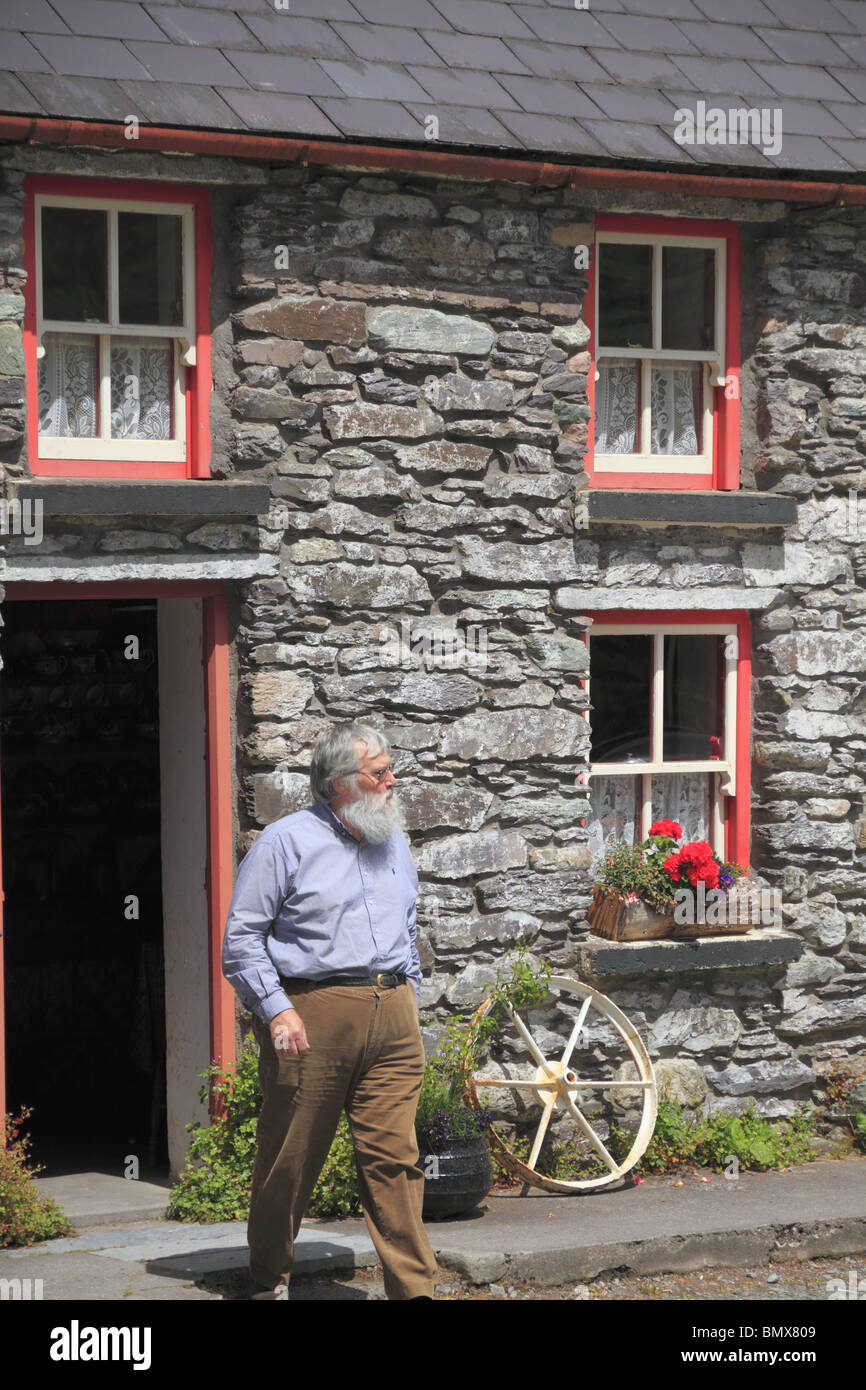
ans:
(633, 31)
(75, 57)
(107, 19)
(84, 99)
(373, 81)
(709, 77)
(737, 11)
(726, 158)
(382, 42)
(805, 152)
(817, 15)
(279, 114)
(550, 98)
(463, 87)
(851, 10)
(34, 16)
(560, 60)
(484, 17)
(732, 153)
(813, 117)
(853, 82)
(205, 28)
(15, 97)
(316, 9)
(178, 103)
(630, 103)
(556, 134)
(638, 69)
(170, 62)
(292, 76)
(372, 120)
(284, 32)
(668, 9)
(567, 26)
(852, 115)
(852, 49)
(794, 80)
(19, 55)
(413, 14)
(468, 51)
(795, 46)
(717, 40)
(466, 125)
(853, 151)
(629, 140)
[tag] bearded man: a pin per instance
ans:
(320, 947)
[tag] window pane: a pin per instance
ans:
(614, 818)
(694, 708)
(677, 408)
(74, 279)
(620, 685)
(688, 298)
(624, 295)
(617, 399)
(68, 386)
(685, 798)
(142, 372)
(149, 261)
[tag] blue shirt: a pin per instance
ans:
(311, 900)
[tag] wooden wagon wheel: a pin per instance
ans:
(558, 1086)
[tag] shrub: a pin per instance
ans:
(25, 1217)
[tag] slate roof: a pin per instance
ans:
(597, 85)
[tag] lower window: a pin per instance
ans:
(669, 712)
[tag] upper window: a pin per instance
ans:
(665, 379)
(116, 331)
(669, 720)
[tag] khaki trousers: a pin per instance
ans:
(366, 1056)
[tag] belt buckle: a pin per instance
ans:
(386, 980)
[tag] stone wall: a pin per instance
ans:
(405, 361)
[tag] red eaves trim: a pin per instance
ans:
(288, 149)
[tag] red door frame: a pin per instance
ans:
(217, 697)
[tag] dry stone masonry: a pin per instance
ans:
(404, 360)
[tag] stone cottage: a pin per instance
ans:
(492, 372)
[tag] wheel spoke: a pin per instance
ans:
(518, 1085)
(590, 1134)
(531, 1044)
(542, 1130)
(609, 1085)
(584, 1010)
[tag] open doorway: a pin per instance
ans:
(82, 874)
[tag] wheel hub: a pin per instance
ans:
(555, 1075)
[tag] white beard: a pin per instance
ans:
(376, 818)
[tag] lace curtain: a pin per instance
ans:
(141, 386)
(615, 804)
(675, 399)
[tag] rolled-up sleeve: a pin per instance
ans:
(264, 879)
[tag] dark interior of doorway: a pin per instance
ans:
(85, 1007)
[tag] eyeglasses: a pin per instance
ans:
(378, 775)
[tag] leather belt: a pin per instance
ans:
(386, 979)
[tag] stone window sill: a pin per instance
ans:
(760, 509)
(598, 959)
(196, 497)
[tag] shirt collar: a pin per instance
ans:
(325, 812)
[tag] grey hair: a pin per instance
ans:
(336, 755)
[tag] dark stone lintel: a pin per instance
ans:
(195, 497)
(598, 957)
(608, 506)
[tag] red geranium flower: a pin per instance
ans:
(670, 828)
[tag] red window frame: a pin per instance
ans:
(726, 411)
(198, 378)
(738, 808)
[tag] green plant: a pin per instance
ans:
(653, 871)
(442, 1112)
(25, 1217)
(336, 1193)
(858, 1125)
(682, 1137)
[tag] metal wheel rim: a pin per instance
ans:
(646, 1083)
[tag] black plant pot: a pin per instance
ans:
(457, 1176)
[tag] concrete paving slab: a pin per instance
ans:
(100, 1198)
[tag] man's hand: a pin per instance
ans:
(288, 1034)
